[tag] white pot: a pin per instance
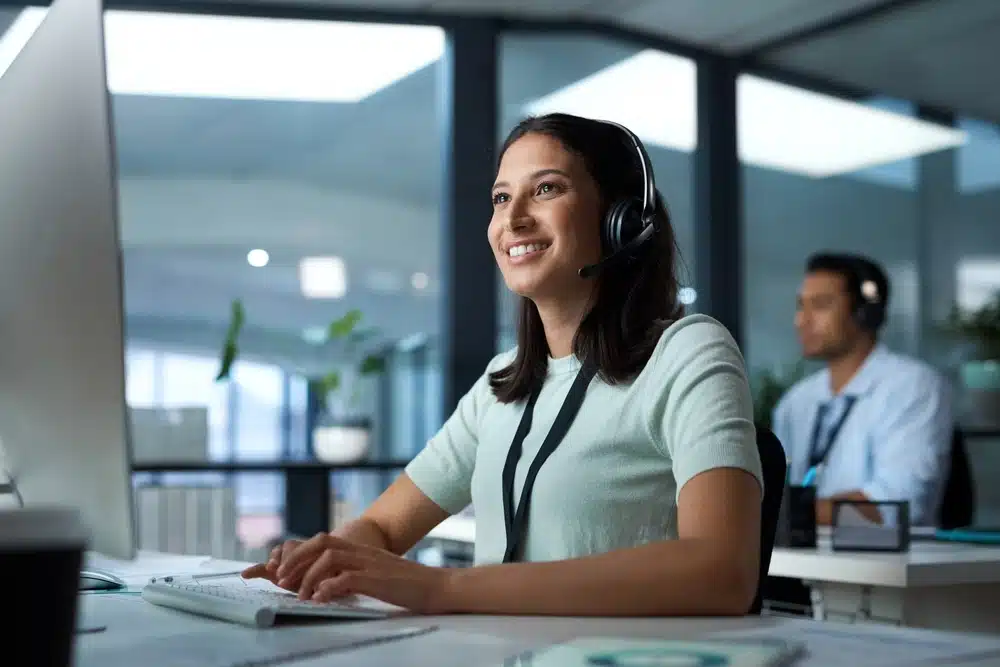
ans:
(340, 444)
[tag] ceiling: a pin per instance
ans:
(935, 52)
(204, 181)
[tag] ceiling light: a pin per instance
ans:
(667, 115)
(779, 126)
(788, 128)
(322, 277)
(258, 258)
(419, 280)
(18, 34)
(687, 295)
(239, 57)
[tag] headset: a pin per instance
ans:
(869, 313)
(629, 222)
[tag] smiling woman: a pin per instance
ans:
(623, 428)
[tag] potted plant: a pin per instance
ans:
(341, 432)
(768, 386)
(980, 371)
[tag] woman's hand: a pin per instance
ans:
(328, 567)
(269, 570)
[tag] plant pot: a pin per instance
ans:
(981, 394)
(341, 441)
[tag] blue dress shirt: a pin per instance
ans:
(894, 443)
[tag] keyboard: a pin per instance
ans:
(258, 608)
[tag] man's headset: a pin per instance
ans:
(630, 222)
(870, 310)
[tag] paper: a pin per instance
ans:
(138, 572)
(615, 652)
(836, 644)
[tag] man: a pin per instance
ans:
(873, 425)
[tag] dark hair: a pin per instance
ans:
(855, 269)
(634, 301)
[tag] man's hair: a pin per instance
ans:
(635, 300)
(856, 270)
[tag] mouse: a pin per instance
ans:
(100, 580)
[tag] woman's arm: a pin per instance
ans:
(711, 569)
(397, 520)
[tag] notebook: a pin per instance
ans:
(618, 652)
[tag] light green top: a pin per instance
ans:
(614, 480)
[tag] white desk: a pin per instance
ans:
(940, 585)
(135, 628)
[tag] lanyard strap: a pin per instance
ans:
(516, 523)
(817, 456)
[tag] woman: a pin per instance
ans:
(650, 505)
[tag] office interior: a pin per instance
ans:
(351, 172)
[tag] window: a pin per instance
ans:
(821, 173)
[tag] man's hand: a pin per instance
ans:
(824, 508)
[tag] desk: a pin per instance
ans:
(476, 641)
(135, 627)
(940, 585)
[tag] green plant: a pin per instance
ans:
(769, 386)
(980, 327)
(344, 329)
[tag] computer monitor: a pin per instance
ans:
(63, 420)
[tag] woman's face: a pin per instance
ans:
(545, 225)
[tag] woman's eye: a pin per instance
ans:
(547, 188)
(499, 198)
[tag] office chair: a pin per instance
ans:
(958, 502)
(772, 461)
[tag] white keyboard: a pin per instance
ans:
(250, 606)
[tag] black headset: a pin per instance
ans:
(869, 311)
(630, 222)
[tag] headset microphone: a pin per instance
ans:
(630, 222)
(592, 270)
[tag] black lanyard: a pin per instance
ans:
(817, 456)
(516, 523)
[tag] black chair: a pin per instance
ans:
(772, 461)
(958, 502)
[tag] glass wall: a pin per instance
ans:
(602, 78)
(246, 175)
(826, 174)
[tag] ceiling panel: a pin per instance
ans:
(730, 26)
(941, 52)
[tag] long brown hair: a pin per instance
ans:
(634, 301)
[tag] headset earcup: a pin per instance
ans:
(622, 223)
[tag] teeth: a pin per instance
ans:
(518, 250)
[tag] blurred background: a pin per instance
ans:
(314, 164)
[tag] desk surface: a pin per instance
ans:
(926, 564)
(136, 627)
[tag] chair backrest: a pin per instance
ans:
(772, 461)
(958, 502)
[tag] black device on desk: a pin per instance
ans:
(852, 530)
(797, 518)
